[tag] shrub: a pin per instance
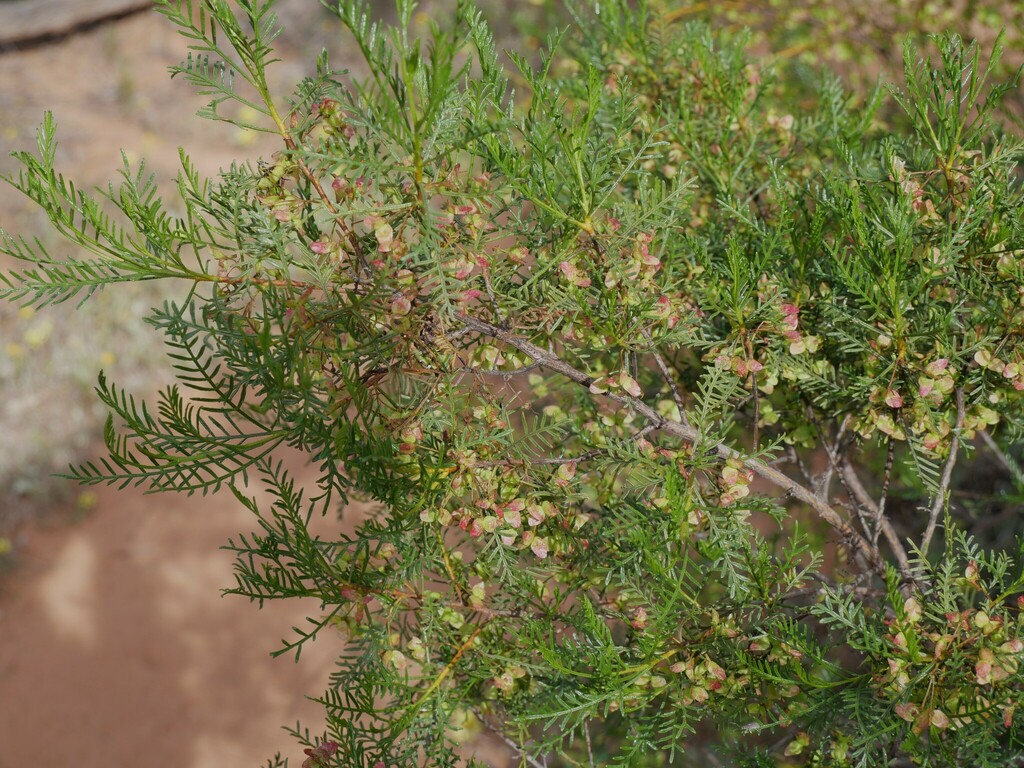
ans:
(656, 385)
(864, 39)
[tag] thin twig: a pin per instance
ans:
(797, 459)
(863, 500)
(757, 410)
(493, 298)
(363, 268)
(552, 461)
(533, 762)
(663, 366)
(825, 484)
(754, 394)
(884, 496)
(849, 535)
(1008, 463)
(947, 475)
(502, 374)
(593, 453)
(447, 670)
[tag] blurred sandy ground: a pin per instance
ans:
(116, 647)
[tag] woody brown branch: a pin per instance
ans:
(849, 536)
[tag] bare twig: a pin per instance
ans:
(492, 297)
(593, 453)
(754, 394)
(824, 488)
(663, 367)
(533, 762)
(851, 538)
(886, 478)
(554, 461)
(1008, 463)
(947, 474)
(363, 268)
(757, 410)
(863, 500)
(795, 457)
(503, 374)
(861, 593)
(429, 691)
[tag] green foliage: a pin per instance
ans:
(862, 41)
(606, 358)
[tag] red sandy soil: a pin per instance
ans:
(117, 649)
(116, 646)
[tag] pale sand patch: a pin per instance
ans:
(67, 594)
